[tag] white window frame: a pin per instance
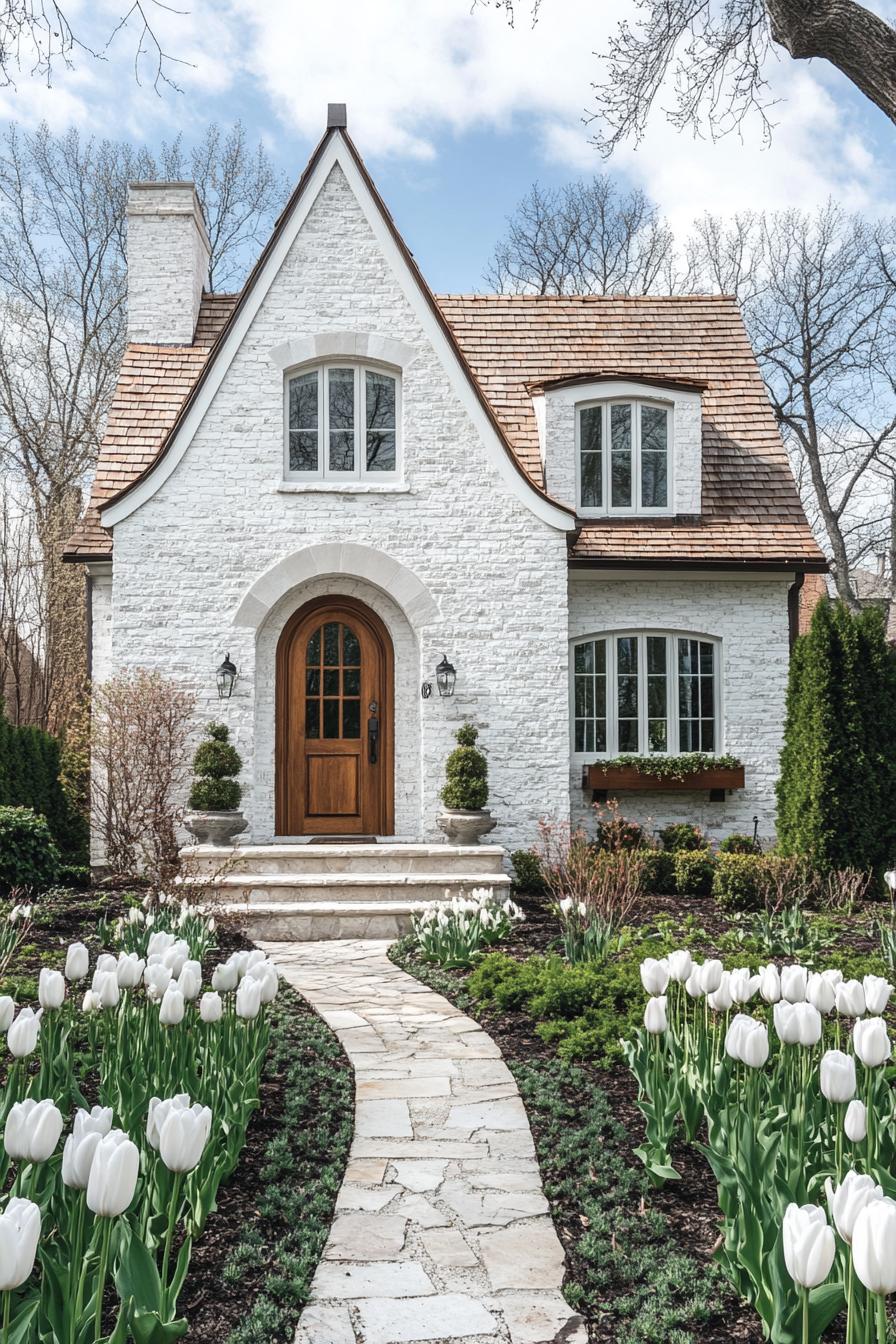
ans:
(673, 747)
(360, 472)
(636, 507)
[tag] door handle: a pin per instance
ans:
(373, 733)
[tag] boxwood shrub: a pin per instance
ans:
(28, 856)
(739, 881)
(694, 871)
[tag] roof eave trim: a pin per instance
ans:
(747, 565)
(612, 376)
(336, 147)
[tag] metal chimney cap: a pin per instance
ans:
(336, 117)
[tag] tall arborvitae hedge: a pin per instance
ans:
(29, 777)
(837, 789)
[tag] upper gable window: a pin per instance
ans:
(624, 456)
(342, 424)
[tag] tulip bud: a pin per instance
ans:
(176, 956)
(129, 970)
(50, 988)
(256, 955)
(871, 1042)
(850, 999)
(171, 1009)
(770, 983)
(797, 1023)
(265, 972)
(794, 980)
(692, 984)
(821, 993)
(809, 1246)
(135, 915)
(877, 993)
(19, 1235)
(655, 1015)
(874, 1246)
(225, 977)
(211, 1008)
(742, 984)
(32, 1130)
(710, 976)
(248, 999)
(183, 1134)
(159, 943)
(157, 1113)
(105, 988)
(23, 1033)
(847, 1200)
(77, 962)
(241, 961)
(735, 1034)
(720, 1000)
(754, 1045)
(90, 1003)
(113, 1175)
(7, 1011)
(680, 965)
(156, 978)
(105, 962)
(838, 1076)
(80, 1146)
(189, 982)
(855, 1122)
(654, 975)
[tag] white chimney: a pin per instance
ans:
(168, 252)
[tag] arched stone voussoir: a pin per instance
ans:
(351, 559)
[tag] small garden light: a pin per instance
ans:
(225, 676)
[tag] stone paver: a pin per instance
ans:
(442, 1231)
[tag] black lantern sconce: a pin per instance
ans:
(446, 676)
(225, 676)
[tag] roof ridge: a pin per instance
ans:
(591, 298)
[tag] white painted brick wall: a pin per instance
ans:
(560, 438)
(749, 616)
(184, 560)
(168, 256)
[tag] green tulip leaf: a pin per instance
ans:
(20, 1327)
(148, 1327)
(136, 1275)
(180, 1273)
(824, 1304)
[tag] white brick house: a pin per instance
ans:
(336, 479)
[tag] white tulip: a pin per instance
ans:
(225, 977)
(90, 1003)
(80, 1146)
(176, 956)
(265, 972)
(710, 976)
(159, 943)
(754, 1046)
(770, 983)
(871, 1042)
(742, 984)
(890, 879)
(680, 965)
(874, 1246)
(655, 1015)
(189, 982)
(7, 1011)
(105, 988)
(172, 1007)
(809, 1246)
(692, 984)
(23, 1033)
(877, 993)
(113, 1175)
(105, 962)
(253, 957)
(211, 1008)
(850, 999)
(33, 1129)
(183, 1134)
(156, 978)
(821, 993)
(565, 905)
(654, 975)
(248, 998)
(50, 988)
(158, 1112)
(19, 1235)
(794, 981)
(847, 1200)
(720, 999)
(855, 1122)
(77, 962)
(797, 1023)
(838, 1076)
(735, 1034)
(129, 970)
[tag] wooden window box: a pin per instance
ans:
(613, 779)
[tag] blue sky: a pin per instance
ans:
(456, 113)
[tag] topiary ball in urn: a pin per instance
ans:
(214, 816)
(465, 792)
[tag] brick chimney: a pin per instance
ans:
(168, 252)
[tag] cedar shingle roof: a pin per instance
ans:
(514, 344)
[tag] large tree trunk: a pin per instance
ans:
(859, 43)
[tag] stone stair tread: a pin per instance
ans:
(341, 908)
(353, 879)
(313, 853)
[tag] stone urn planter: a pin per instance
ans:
(215, 828)
(466, 826)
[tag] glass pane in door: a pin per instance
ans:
(333, 683)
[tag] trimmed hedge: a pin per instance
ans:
(28, 856)
(694, 871)
(681, 835)
(466, 773)
(30, 778)
(739, 881)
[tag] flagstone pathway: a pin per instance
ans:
(442, 1231)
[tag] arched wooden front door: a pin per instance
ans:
(334, 722)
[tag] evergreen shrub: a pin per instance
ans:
(28, 856)
(215, 765)
(466, 773)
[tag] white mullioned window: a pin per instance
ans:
(624, 456)
(342, 423)
(646, 692)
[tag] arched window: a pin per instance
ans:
(646, 692)
(342, 423)
(624, 456)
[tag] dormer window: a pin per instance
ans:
(342, 424)
(624, 457)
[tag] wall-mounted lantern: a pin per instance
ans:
(446, 676)
(225, 676)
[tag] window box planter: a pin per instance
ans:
(613, 779)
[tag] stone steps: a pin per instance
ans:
(345, 858)
(311, 921)
(300, 888)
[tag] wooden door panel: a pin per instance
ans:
(334, 663)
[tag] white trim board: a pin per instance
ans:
(338, 152)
